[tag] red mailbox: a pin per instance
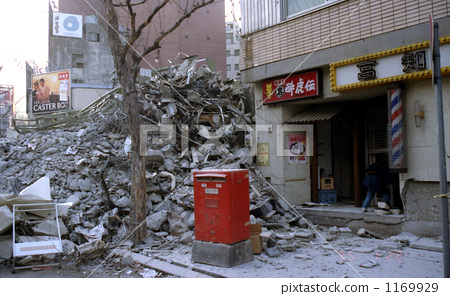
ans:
(221, 202)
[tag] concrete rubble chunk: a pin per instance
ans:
(155, 198)
(74, 199)
(155, 221)
(6, 247)
(366, 233)
(84, 184)
(81, 133)
(345, 231)
(69, 247)
(90, 250)
(187, 237)
(154, 156)
(93, 234)
(49, 227)
(50, 151)
(305, 234)
(3, 166)
(123, 202)
(362, 250)
(178, 225)
(6, 219)
(273, 252)
(389, 245)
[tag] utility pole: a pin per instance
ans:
(441, 145)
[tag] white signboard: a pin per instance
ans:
(67, 25)
(405, 63)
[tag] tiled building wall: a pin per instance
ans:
(342, 23)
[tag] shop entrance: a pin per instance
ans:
(349, 142)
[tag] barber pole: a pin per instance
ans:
(397, 156)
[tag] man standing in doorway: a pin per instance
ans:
(377, 181)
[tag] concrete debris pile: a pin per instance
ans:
(210, 126)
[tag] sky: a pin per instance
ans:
(24, 26)
(233, 10)
(24, 33)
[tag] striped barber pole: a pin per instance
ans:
(397, 160)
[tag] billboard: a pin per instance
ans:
(67, 25)
(50, 92)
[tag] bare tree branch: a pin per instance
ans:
(186, 15)
(132, 4)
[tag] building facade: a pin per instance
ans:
(340, 84)
(233, 52)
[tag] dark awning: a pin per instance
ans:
(317, 113)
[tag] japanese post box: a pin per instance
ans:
(221, 203)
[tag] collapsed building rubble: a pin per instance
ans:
(191, 119)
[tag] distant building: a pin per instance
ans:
(6, 107)
(89, 59)
(87, 56)
(233, 41)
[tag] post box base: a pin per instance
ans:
(222, 255)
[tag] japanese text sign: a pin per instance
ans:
(303, 85)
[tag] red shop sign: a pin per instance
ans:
(303, 85)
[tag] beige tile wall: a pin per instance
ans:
(305, 33)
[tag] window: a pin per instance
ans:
(228, 53)
(236, 52)
(228, 67)
(94, 37)
(236, 66)
(208, 38)
(77, 61)
(295, 6)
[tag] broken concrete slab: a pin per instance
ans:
(369, 263)
(6, 247)
(50, 227)
(164, 266)
(305, 235)
(362, 250)
(6, 219)
(345, 231)
(302, 257)
(426, 243)
(389, 245)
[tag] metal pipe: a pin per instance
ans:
(441, 148)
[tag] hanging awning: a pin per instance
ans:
(317, 113)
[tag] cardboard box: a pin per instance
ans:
(256, 244)
(255, 238)
(326, 183)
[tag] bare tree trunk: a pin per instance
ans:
(138, 180)
(126, 61)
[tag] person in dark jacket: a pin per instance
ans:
(376, 181)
